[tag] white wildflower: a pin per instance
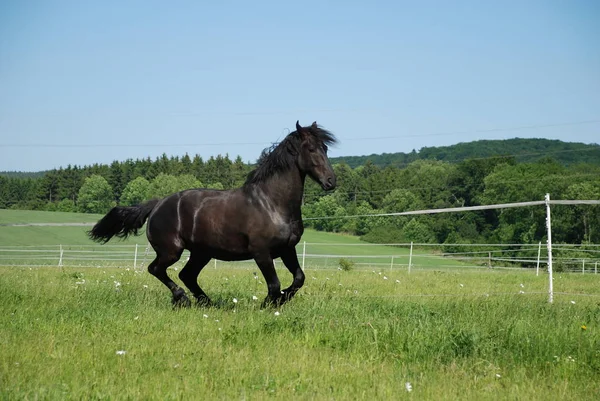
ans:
(254, 297)
(573, 302)
(384, 277)
(121, 352)
(235, 301)
(205, 316)
(276, 313)
(408, 387)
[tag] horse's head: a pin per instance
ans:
(312, 157)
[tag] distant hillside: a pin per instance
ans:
(524, 150)
(22, 174)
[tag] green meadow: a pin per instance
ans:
(40, 245)
(72, 334)
(373, 332)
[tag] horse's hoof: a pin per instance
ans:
(203, 302)
(182, 302)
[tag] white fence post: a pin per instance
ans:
(135, 256)
(583, 266)
(410, 256)
(146, 254)
(60, 259)
(549, 245)
(596, 268)
(392, 263)
(303, 254)
(537, 267)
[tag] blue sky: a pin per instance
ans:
(91, 82)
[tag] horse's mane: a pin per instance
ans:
(281, 156)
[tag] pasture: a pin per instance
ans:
(110, 332)
(347, 335)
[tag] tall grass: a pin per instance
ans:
(347, 335)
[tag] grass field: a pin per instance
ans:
(112, 334)
(323, 249)
(370, 333)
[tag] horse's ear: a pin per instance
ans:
(304, 133)
(314, 125)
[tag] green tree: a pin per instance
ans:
(187, 181)
(95, 195)
(136, 192)
(163, 185)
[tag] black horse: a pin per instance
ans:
(261, 220)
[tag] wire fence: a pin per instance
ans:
(403, 256)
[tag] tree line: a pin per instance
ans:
(365, 189)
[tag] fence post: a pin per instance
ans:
(537, 268)
(392, 264)
(410, 256)
(596, 268)
(583, 266)
(489, 260)
(303, 254)
(60, 259)
(549, 245)
(135, 257)
(146, 253)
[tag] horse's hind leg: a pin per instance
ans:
(158, 268)
(189, 276)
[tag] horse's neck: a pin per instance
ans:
(285, 190)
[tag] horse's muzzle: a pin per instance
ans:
(328, 184)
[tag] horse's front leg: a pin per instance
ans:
(290, 260)
(265, 264)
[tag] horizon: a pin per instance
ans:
(231, 157)
(86, 84)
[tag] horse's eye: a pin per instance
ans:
(311, 149)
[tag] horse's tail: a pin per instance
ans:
(122, 221)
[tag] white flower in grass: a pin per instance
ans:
(498, 376)
(398, 281)
(277, 313)
(145, 286)
(408, 387)
(521, 292)
(573, 302)
(121, 352)
(205, 316)
(117, 285)
(522, 286)
(235, 301)
(254, 298)
(384, 277)
(461, 285)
